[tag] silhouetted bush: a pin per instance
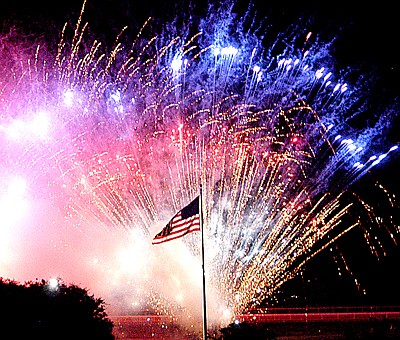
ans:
(40, 310)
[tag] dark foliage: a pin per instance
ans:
(37, 310)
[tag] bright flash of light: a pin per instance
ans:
(53, 284)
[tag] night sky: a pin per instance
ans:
(367, 39)
(366, 33)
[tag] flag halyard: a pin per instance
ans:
(184, 222)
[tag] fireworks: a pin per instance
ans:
(104, 146)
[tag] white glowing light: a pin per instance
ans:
(116, 96)
(327, 76)
(13, 202)
(16, 130)
(68, 98)
(53, 283)
(179, 297)
(13, 207)
(40, 125)
(230, 50)
(176, 64)
(319, 73)
(227, 313)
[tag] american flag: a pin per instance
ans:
(184, 222)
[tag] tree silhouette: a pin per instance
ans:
(51, 310)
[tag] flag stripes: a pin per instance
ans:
(184, 222)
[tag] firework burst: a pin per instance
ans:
(108, 145)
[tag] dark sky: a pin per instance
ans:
(371, 33)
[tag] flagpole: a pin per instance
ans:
(202, 265)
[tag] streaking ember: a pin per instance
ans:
(101, 147)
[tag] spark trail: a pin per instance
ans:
(113, 143)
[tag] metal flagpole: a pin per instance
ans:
(202, 264)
